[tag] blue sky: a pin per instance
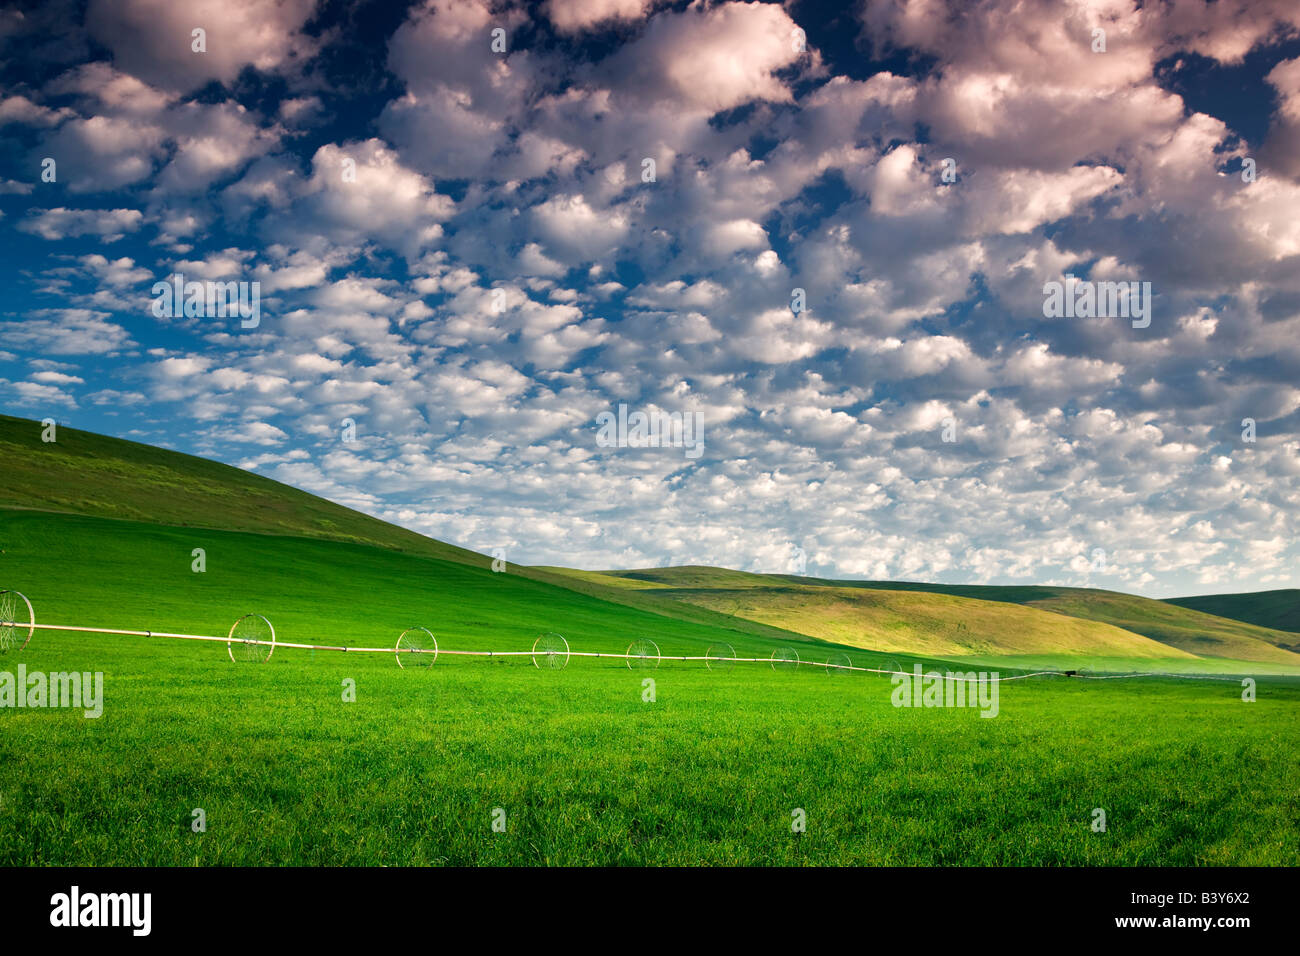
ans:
(498, 272)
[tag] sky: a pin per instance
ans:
(824, 232)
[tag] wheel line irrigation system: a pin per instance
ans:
(549, 651)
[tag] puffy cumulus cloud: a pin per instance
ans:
(570, 16)
(919, 417)
(250, 433)
(1023, 200)
(1053, 42)
(348, 295)
(56, 378)
(441, 133)
(780, 335)
(152, 39)
(211, 142)
(126, 132)
(900, 186)
(460, 94)
(921, 356)
(360, 190)
(19, 109)
(1224, 31)
(447, 44)
(223, 264)
(1040, 41)
(287, 270)
(113, 90)
(1034, 367)
(1022, 80)
(1282, 149)
(109, 225)
(573, 229)
(34, 394)
(106, 152)
(709, 58)
(725, 238)
(66, 332)
(116, 273)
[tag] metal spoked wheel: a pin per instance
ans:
(839, 663)
(720, 657)
(16, 621)
(785, 659)
(251, 639)
(643, 654)
(890, 667)
(418, 646)
(550, 652)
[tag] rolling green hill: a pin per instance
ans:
(88, 474)
(1185, 628)
(89, 519)
(1279, 610)
(87, 570)
(823, 606)
(95, 476)
(935, 625)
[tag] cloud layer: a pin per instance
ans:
(475, 236)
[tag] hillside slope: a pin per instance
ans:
(1279, 610)
(1183, 629)
(88, 474)
(99, 572)
(936, 625)
(106, 478)
(913, 621)
(136, 485)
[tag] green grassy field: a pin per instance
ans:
(587, 773)
(586, 770)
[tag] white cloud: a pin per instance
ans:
(19, 109)
(571, 16)
(152, 39)
(710, 59)
(65, 332)
(108, 224)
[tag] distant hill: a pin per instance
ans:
(914, 622)
(1279, 610)
(1185, 629)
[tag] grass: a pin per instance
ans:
(288, 773)
(590, 774)
(587, 771)
(79, 569)
(1279, 610)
